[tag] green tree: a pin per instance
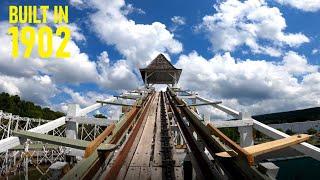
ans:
(16, 106)
(311, 131)
(279, 129)
(289, 132)
(99, 116)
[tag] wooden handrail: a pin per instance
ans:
(98, 140)
(272, 145)
(234, 146)
(251, 151)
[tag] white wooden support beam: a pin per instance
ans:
(219, 106)
(114, 103)
(74, 143)
(11, 142)
(205, 104)
(91, 120)
(246, 132)
(246, 136)
(96, 106)
(304, 147)
(72, 126)
(187, 97)
(232, 123)
(133, 97)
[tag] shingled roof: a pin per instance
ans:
(160, 62)
(162, 70)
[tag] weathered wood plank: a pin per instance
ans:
(178, 172)
(144, 149)
(133, 173)
(145, 173)
(156, 173)
(157, 142)
(232, 123)
(277, 144)
(272, 145)
(304, 147)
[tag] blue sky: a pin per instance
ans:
(259, 56)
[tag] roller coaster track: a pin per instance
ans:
(160, 136)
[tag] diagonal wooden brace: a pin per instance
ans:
(98, 140)
(270, 146)
(62, 141)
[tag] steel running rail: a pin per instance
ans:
(90, 166)
(233, 168)
(201, 163)
(114, 170)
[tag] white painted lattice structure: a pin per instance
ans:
(14, 157)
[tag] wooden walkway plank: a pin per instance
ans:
(156, 173)
(145, 173)
(178, 172)
(122, 160)
(133, 173)
(157, 161)
(144, 149)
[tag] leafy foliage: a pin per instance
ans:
(16, 106)
(312, 131)
(231, 132)
(289, 132)
(99, 116)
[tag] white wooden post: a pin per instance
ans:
(206, 117)
(72, 127)
(26, 161)
(246, 135)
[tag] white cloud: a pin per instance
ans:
(305, 5)
(76, 69)
(137, 42)
(315, 51)
(297, 65)
(178, 20)
(84, 99)
(115, 75)
(258, 86)
(8, 86)
(76, 34)
(38, 89)
(252, 23)
(130, 9)
(77, 3)
(39, 79)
